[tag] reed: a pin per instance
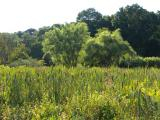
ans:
(79, 93)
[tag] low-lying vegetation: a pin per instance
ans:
(79, 93)
(141, 62)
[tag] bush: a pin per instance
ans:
(141, 62)
(105, 112)
(26, 62)
(152, 61)
(95, 107)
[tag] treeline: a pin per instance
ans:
(93, 40)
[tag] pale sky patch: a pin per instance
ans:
(19, 15)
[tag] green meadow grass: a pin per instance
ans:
(60, 93)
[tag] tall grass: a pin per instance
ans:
(79, 93)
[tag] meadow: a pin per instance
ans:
(80, 93)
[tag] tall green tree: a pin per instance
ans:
(153, 43)
(29, 39)
(107, 22)
(32, 39)
(8, 42)
(92, 18)
(137, 26)
(65, 43)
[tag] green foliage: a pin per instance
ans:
(32, 39)
(92, 18)
(94, 107)
(8, 42)
(62, 43)
(29, 37)
(19, 52)
(105, 49)
(141, 62)
(153, 44)
(65, 43)
(48, 59)
(26, 62)
(79, 93)
(137, 27)
(36, 50)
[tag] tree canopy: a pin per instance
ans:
(62, 43)
(137, 27)
(105, 49)
(92, 18)
(65, 43)
(9, 44)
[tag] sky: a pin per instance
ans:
(20, 15)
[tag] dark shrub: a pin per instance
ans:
(105, 112)
(141, 62)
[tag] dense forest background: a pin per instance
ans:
(94, 39)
